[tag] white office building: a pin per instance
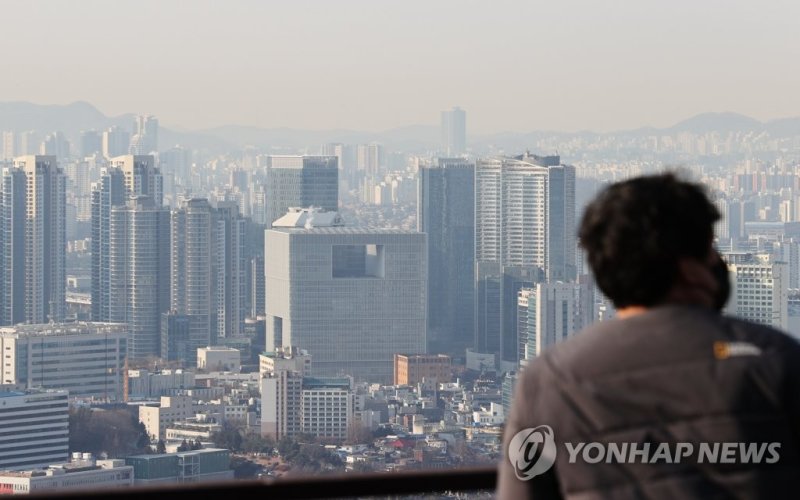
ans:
(759, 289)
(549, 313)
(83, 472)
(352, 297)
(156, 419)
(86, 359)
(34, 429)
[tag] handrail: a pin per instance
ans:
(309, 487)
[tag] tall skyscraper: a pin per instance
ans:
(139, 272)
(145, 140)
(370, 158)
(142, 178)
(231, 285)
(115, 142)
(352, 297)
(33, 241)
(55, 144)
(91, 143)
(127, 176)
(524, 234)
(208, 270)
(256, 286)
(446, 212)
(107, 193)
(301, 181)
(454, 132)
(9, 145)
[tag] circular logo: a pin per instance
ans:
(532, 452)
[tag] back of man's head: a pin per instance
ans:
(636, 231)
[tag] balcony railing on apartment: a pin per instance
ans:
(335, 486)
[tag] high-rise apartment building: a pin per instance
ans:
(127, 176)
(301, 181)
(142, 178)
(524, 234)
(115, 142)
(454, 132)
(370, 158)
(446, 212)
(107, 193)
(139, 277)
(91, 143)
(35, 429)
(33, 241)
(207, 267)
(8, 147)
(145, 140)
(352, 297)
(759, 289)
(86, 359)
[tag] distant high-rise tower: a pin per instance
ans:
(145, 140)
(446, 212)
(301, 181)
(257, 286)
(55, 144)
(91, 143)
(33, 241)
(139, 272)
(524, 234)
(9, 145)
(454, 132)
(115, 142)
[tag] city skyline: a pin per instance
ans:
(647, 63)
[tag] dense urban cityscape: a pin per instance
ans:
(173, 313)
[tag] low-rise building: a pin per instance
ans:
(207, 465)
(219, 358)
(143, 384)
(411, 369)
(82, 473)
(156, 419)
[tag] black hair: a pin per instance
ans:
(635, 232)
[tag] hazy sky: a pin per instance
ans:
(372, 64)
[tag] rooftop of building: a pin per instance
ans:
(326, 382)
(77, 328)
(308, 218)
(203, 451)
(340, 230)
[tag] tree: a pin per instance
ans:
(184, 446)
(161, 447)
(197, 445)
(116, 433)
(228, 437)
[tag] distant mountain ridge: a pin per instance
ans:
(80, 115)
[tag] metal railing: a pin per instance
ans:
(465, 480)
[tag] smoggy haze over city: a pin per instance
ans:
(365, 65)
